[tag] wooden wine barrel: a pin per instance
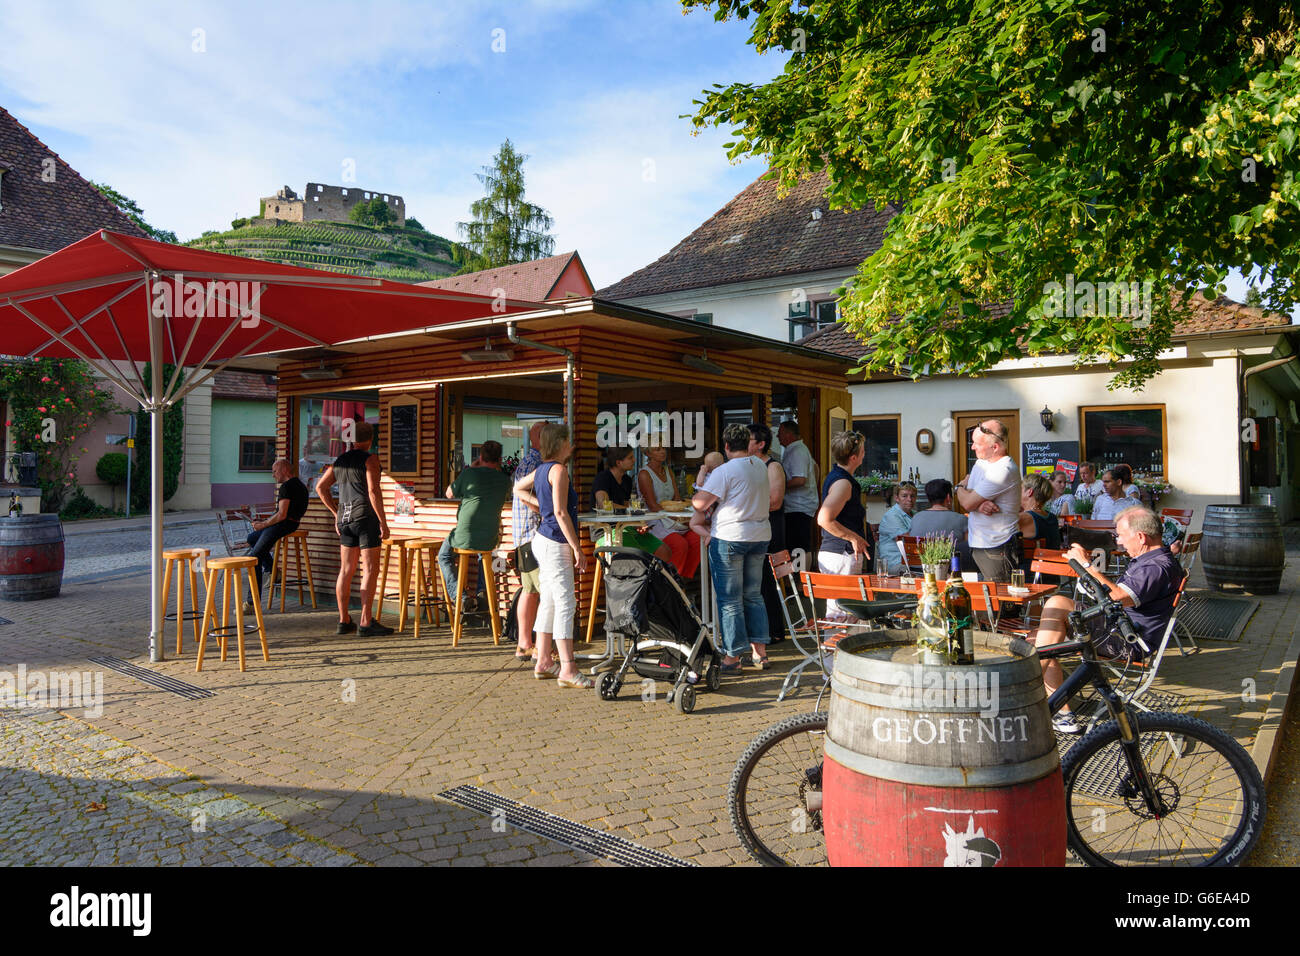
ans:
(1242, 544)
(940, 765)
(31, 557)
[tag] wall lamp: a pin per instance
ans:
(322, 372)
(1045, 416)
(702, 364)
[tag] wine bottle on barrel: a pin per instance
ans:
(961, 617)
(932, 621)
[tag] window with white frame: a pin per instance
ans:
(810, 315)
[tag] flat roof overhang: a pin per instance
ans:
(687, 334)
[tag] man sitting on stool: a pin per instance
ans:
(1147, 589)
(291, 505)
(482, 489)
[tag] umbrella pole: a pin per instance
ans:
(155, 506)
(156, 530)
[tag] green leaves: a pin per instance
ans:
(1025, 155)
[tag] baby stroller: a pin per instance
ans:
(665, 638)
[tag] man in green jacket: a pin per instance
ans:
(482, 489)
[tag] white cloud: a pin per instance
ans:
(284, 94)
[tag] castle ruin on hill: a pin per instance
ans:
(320, 202)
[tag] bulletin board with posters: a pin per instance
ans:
(1044, 457)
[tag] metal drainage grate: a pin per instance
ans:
(578, 836)
(169, 684)
(1216, 618)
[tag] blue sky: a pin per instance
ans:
(196, 110)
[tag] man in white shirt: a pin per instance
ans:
(1113, 500)
(991, 494)
(801, 498)
(1088, 486)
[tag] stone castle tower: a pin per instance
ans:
(327, 203)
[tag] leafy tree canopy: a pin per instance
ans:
(1032, 145)
(132, 209)
(373, 212)
(506, 227)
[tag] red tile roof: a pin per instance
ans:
(758, 236)
(1220, 316)
(44, 215)
(253, 386)
(530, 281)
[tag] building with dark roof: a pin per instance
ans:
(763, 263)
(772, 265)
(540, 280)
(45, 204)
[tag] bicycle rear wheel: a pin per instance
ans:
(1213, 791)
(770, 789)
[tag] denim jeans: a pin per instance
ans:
(261, 545)
(448, 559)
(737, 571)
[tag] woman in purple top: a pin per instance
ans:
(558, 552)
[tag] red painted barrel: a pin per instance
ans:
(31, 557)
(930, 765)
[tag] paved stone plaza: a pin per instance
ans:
(335, 751)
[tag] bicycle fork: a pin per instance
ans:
(1138, 780)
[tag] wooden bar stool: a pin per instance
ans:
(382, 594)
(595, 599)
(280, 567)
(226, 568)
(418, 575)
(183, 560)
(465, 556)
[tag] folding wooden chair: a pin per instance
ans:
(1143, 673)
(235, 525)
(798, 617)
(825, 633)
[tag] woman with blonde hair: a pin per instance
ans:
(1036, 521)
(657, 483)
(557, 551)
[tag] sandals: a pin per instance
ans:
(548, 673)
(581, 682)
(527, 655)
(762, 663)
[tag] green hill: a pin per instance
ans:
(405, 255)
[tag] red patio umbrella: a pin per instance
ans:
(114, 298)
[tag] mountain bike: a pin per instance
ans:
(1141, 789)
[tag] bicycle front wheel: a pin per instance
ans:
(1212, 793)
(775, 794)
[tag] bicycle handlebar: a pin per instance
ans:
(1103, 603)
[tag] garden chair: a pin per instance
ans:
(236, 524)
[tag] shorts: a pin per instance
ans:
(362, 533)
(530, 582)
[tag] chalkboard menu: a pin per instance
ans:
(404, 436)
(1045, 454)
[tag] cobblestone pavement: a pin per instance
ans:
(346, 742)
(127, 549)
(76, 796)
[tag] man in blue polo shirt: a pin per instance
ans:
(1147, 589)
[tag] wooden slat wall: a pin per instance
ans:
(596, 350)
